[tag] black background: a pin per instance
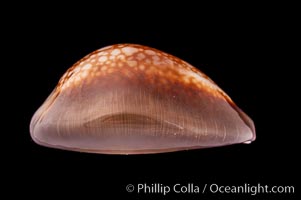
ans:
(243, 52)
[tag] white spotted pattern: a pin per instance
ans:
(140, 58)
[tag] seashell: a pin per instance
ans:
(133, 99)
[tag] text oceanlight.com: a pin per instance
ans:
(213, 188)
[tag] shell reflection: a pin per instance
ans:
(132, 99)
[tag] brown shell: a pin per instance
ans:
(132, 99)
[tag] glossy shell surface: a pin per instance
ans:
(133, 99)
